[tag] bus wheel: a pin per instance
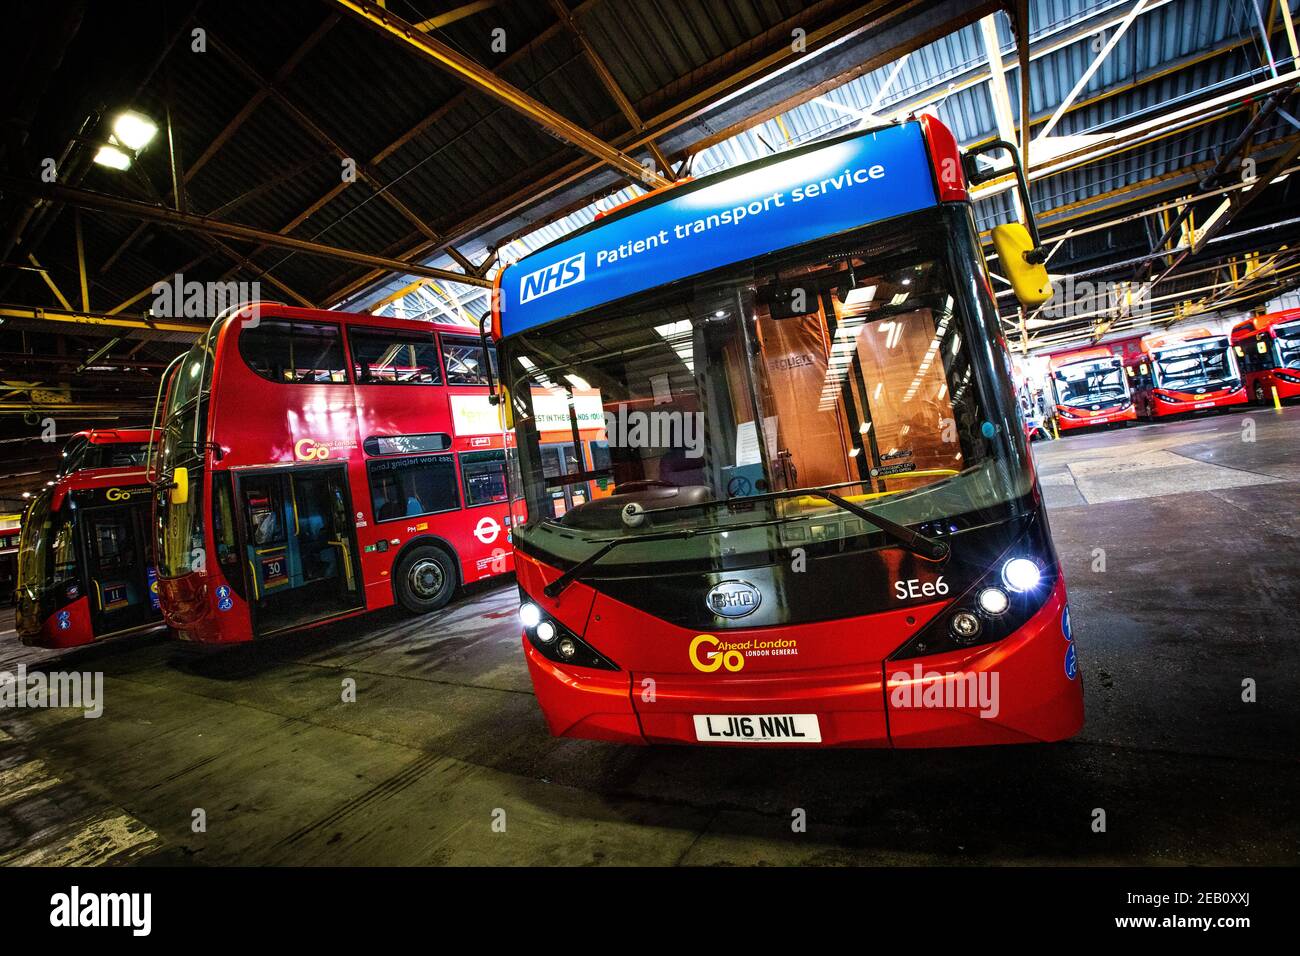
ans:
(1259, 393)
(425, 579)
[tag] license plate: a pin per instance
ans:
(758, 728)
(1204, 405)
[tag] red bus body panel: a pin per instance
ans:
(840, 673)
(1153, 403)
(257, 424)
(1078, 418)
(72, 625)
(1075, 417)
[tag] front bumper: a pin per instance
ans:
(1189, 403)
(1091, 419)
(1017, 690)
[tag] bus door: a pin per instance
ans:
(119, 570)
(300, 547)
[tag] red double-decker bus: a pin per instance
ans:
(85, 568)
(315, 465)
(823, 526)
(1089, 388)
(1268, 350)
(1174, 373)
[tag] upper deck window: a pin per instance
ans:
(464, 358)
(392, 357)
(285, 350)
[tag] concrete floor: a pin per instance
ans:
(1200, 591)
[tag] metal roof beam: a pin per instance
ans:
(1095, 65)
(487, 82)
(129, 208)
(608, 81)
(106, 319)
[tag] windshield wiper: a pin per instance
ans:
(556, 587)
(922, 546)
(918, 544)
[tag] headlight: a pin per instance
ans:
(1016, 584)
(993, 601)
(553, 640)
(1021, 574)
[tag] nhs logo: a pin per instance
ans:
(559, 275)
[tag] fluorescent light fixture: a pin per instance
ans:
(900, 298)
(134, 130)
(112, 157)
(860, 295)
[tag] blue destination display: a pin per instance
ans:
(841, 186)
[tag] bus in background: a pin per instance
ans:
(824, 513)
(1268, 351)
(1178, 372)
(85, 567)
(10, 532)
(1089, 388)
(315, 465)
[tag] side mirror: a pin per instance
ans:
(1022, 264)
(180, 490)
(507, 409)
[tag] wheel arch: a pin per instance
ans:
(435, 541)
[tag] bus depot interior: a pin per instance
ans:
(623, 418)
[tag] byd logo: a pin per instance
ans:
(552, 278)
(308, 449)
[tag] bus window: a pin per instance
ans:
(291, 351)
(391, 357)
(464, 358)
(484, 473)
(407, 487)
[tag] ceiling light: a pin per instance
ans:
(112, 157)
(134, 130)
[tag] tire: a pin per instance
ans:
(425, 579)
(1259, 393)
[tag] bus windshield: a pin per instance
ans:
(1288, 345)
(855, 364)
(46, 558)
(83, 454)
(1203, 365)
(1091, 383)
